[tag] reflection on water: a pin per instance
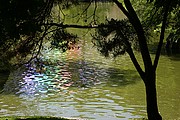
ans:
(87, 85)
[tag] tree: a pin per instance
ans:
(117, 37)
(125, 31)
(20, 28)
(149, 74)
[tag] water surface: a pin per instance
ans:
(84, 84)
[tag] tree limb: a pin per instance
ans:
(135, 62)
(163, 27)
(61, 25)
(133, 58)
(129, 49)
(140, 33)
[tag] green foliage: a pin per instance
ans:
(21, 25)
(19, 17)
(111, 40)
(62, 39)
(151, 14)
(154, 15)
(22, 22)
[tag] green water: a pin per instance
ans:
(83, 84)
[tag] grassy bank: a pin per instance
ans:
(36, 118)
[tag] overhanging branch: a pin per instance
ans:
(61, 25)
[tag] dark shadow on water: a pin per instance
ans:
(153, 47)
(90, 75)
(173, 54)
(119, 77)
(175, 57)
(3, 78)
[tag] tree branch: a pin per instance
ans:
(133, 18)
(61, 25)
(135, 62)
(163, 27)
(129, 49)
(133, 58)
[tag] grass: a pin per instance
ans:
(36, 118)
(48, 118)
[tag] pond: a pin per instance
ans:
(83, 84)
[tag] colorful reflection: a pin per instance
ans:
(42, 79)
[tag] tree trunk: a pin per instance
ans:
(151, 97)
